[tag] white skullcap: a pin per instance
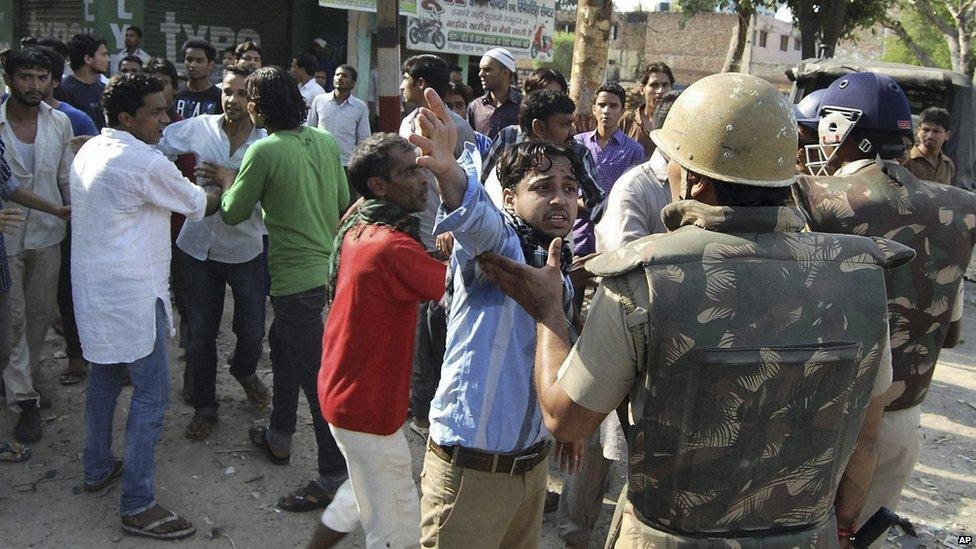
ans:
(322, 43)
(503, 56)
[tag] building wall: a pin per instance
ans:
(698, 49)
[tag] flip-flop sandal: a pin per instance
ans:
(258, 436)
(72, 377)
(12, 452)
(109, 482)
(309, 498)
(149, 530)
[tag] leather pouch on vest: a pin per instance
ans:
(747, 441)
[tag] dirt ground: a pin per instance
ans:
(230, 493)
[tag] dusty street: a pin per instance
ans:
(230, 492)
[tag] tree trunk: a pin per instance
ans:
(808, 24)
(834, 18)
(899, 30)
(589, 57)
(740, 35)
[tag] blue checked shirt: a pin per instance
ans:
(486, 399)
(7, 186)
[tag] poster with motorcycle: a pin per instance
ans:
(471, 27)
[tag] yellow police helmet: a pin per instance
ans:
(732, 127)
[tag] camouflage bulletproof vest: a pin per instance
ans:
(763, 347)
(937, 221)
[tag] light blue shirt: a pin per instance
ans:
(486, 399)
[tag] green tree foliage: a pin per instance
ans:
(924, 35)
(562, 54)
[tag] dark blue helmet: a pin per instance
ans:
(882, 103)
(807, 111)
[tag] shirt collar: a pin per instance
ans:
(853, 167)
(917, 153)
(44, 108)
(727, 219)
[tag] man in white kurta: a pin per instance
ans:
(124, 191)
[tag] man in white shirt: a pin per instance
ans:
(133, 46)
(124, 191)
(219, 255)
(341, 113)
(36, 136)
(303, 67)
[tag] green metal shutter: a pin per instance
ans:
(61, 19)
(168, 24)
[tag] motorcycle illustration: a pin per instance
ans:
(541, 43)
(428, 29)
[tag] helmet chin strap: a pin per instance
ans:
(835, 127)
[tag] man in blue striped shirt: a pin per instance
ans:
(486, 426)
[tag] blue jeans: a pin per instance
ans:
(206, 283)
(150, 397)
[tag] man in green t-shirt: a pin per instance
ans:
(297, 176)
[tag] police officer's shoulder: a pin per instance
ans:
(635, 254)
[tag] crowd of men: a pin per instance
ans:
(757, 345)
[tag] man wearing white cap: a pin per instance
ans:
(499, 106)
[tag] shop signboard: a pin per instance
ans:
(407, 7)
(470, 27)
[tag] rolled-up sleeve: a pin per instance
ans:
(602, 366)
(167, 188)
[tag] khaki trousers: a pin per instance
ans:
(899, 444)
(468, 509)
(32, 297)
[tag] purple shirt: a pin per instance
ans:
(484, 117)
(621, 154)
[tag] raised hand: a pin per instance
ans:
(435, 134)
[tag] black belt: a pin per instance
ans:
(515, 464)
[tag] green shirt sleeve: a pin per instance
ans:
(237, 203)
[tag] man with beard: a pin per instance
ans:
(82, 89)
(499, 106)
(218, 255)
(201, 96)
(485, 424)
(37, 137)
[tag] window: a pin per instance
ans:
(784, 43)
(613, 31)
(762, 38)
(796, 44)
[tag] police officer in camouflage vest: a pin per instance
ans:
(753, 355)
(863, 119)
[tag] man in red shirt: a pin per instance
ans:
(379, 275)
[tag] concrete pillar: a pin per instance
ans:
(388, 62)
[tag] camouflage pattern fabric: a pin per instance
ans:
(938, 221)
(764, 347)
